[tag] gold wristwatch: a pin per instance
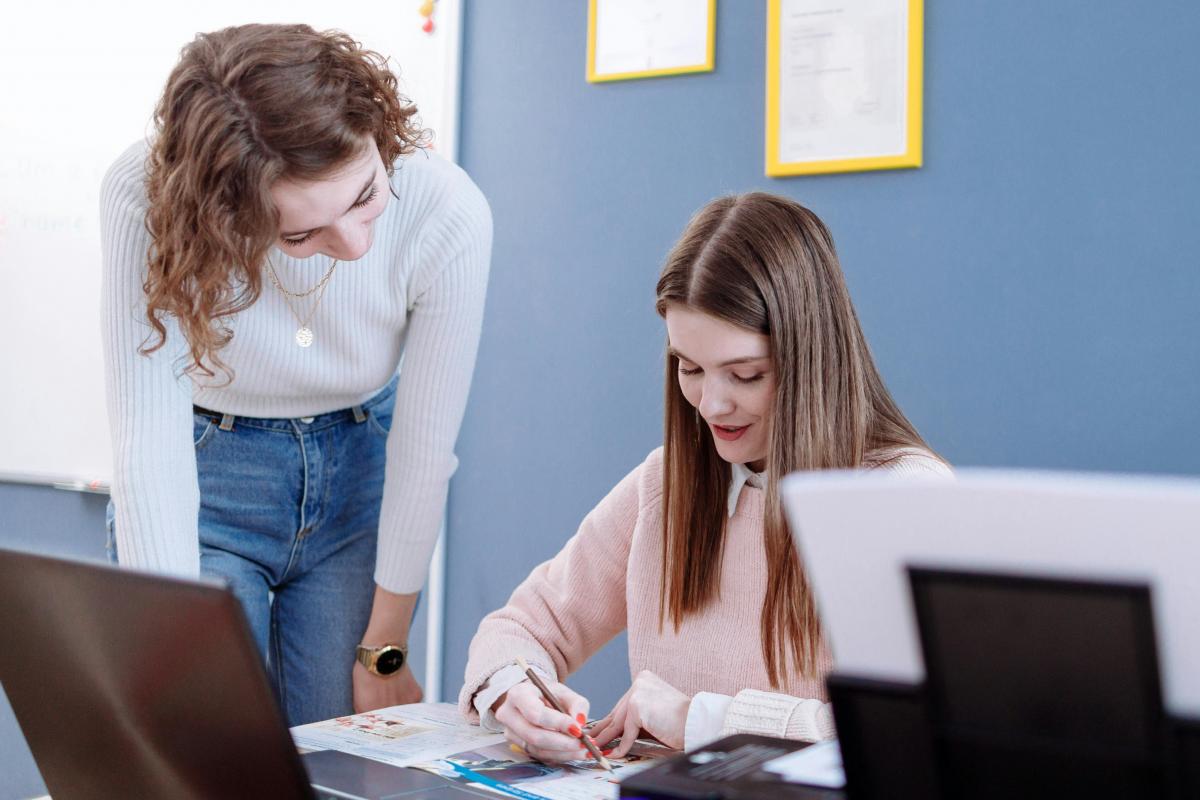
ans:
(385, 660)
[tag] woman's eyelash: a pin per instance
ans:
(738, 378)
(367, 200)
(364, 202)
(298, 242)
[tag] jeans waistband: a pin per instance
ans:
(356, 414)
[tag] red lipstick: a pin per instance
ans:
(728, 433)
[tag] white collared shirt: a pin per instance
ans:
(706, 714)
(743, 476)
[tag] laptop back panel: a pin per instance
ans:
(129, 685)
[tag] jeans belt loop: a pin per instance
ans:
(226, 422)
(360, 416)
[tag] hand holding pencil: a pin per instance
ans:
(546, 725)
(558, 706)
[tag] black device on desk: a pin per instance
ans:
(1036, 687)
(134, 685)
(728, 769)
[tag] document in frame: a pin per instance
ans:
(647, 38)
(844, 85)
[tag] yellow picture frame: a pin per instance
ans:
(708, 65)
(912, 155)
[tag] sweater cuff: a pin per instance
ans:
(501, 681)
(705, 718)
(781, 715)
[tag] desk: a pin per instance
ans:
(434, 737)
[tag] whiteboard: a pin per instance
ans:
(78, 85)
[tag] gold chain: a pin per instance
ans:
(320, 284)
(304, 335)
(303, 321)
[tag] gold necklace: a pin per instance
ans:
(320, 284)
(304, 334)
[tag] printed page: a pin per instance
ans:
(818, 764)
(645, 35)
(401, 735)
(510, 774)
(843, 79)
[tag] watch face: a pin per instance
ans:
(389, 661)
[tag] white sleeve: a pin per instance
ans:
(154, 491)
(446, 299)
(500, 682)
(705, 719)
(773, 714)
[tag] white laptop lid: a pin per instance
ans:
(858, 532)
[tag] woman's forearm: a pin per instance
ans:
(391, 618)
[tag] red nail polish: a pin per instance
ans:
(606, 752)
(581, 719)
(575, 731)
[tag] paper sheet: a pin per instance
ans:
(402, 735)
(818, 764)
(843, 79)
(511, 774)
(434, 737)
(648, 35)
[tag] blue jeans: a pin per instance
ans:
(289, 517)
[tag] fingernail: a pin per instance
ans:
(516, 748)
(575, 730)
(581, 719)
(606, 752)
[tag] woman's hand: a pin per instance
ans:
(651, 704)
(372, 691)
(541, 731)
(391, 615)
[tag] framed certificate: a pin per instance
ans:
(843, 85)
(648, 38)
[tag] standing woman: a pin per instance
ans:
(270, 254)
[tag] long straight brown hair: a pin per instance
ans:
(767, 264)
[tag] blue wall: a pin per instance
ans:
(1031, 293)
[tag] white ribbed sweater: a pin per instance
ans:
(419, 292)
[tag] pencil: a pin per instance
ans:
(553, 701)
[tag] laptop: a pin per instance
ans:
(127, 684)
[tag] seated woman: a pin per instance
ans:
(768, 373)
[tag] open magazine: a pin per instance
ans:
(434, 737)
(500, 769)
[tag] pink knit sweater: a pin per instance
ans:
(607, 578)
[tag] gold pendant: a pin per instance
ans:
(304, 337)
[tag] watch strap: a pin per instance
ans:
(366, 655)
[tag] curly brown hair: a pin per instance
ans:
(244, 107)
